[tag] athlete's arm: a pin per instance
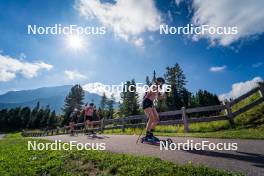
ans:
(162, 96)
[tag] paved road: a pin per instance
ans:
(249, 158)
(1, 136)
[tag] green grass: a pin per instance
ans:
(15, 159)
(243, 133)
(246, 101)
(251, 118)
(194, 127)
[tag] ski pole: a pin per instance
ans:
(142, 129)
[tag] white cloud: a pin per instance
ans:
(127, 18)
(139, 42)
(246, 15)
(217, 68)
(241, 88)
(178, 2)
(74, 75)
(6, 76)
(22, 56)
(256, 65)
(10, 67)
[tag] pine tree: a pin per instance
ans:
(154, 76)
(204, 98)
(186, 98)
(177, 80)
(33, 117)
(100, 113)
(103, 102)
(73, 100)
(134, 99)
(3, 119)
(110, 106)
(14, 118)
(124, 104)
(161, 105)
(129, 99)
(39, 117)
(52, 120)
(148, 81)
(45, 117)
(25, 116)
(103, 106)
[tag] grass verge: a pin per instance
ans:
(16, 159)
(237, 133)
(248, 125)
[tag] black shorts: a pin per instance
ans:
(90, 118)
(74, 120)
(147, 103)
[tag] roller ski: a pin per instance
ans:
(152, 140)
(89, 132)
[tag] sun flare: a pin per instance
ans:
(75, 42)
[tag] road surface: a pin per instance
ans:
(248, 158)
(1, 136)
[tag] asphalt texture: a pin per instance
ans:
(248, 158)
(1, 136)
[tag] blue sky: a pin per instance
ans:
(132, 46)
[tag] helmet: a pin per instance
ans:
(160, 80)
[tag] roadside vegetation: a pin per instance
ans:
(243, 133)
(248, 125)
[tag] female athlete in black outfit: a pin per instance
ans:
(150, 111)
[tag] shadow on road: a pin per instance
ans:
(97, 137)
(256, 159)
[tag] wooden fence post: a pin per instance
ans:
(123, 125)
(185, 121)
(261, 89)
(229, 113)
(102, 125)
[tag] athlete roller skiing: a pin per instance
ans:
(154, 93)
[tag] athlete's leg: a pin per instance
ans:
(92, 125)
(71, 127)
(155, 118)
(91, 122)
(88, 123)
(149, 113)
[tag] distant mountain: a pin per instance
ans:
(52, 96)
